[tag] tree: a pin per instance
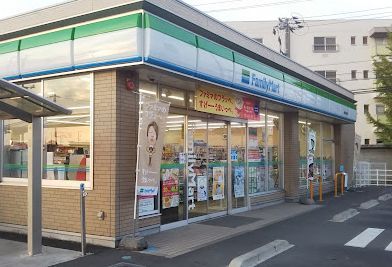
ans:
(383, 70)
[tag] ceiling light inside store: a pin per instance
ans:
(67, 122)
(173, 125)
(272, 116)
(82, 107)
(174, 129)
(69, 117)
(174, 121)
(176, 97)
(303, 122)
(194, 121)
(175, 116)
(147, 92)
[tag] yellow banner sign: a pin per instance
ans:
(226, 103)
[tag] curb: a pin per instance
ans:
(261, 254)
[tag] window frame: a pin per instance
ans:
(363, 40)
(325, 45)
(365, 76)
(67, 184)
(353, 74)
(352, 40)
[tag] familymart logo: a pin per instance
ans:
(259, 81)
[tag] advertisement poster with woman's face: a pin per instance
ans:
(311, 152)
(151, 132)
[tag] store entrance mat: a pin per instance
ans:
(230, 221)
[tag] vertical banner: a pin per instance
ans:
(152, 124)
(311, 152)
(218, 174)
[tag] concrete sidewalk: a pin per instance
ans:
(178, 241)
(14, 254)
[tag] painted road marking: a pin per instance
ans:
(364, 238)
(389, 247)
(345, 215)
(369, 204)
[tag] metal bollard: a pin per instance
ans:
(320, 188)
(83, 194)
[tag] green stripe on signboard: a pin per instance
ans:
(158, 24)
(46, 39)
(291, 80)
(110, 25)
(252, 64)
(311, 88)
(214, 48)
(9, 47)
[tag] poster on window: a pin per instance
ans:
(152, 123)
(170, 193)
(311, 152)
(239, 181)
(218, 174)
(201, 188)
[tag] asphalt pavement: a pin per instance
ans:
(317, 240)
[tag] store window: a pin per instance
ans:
(67, 138)
(176, 97)
(148, 89)
(16, 136)
(275, 165)
(256, 156)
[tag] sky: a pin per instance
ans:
(248, 10)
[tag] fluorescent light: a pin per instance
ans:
(216, 124)
(68, 122)
(69, 117)
(174, 129)
(174, 121)
(176, 97)
(303, 122)
(272, 116)
(163, 94)
(82, 107)
(147, 92)
(174, 125)
(194, 121)
(175, 116)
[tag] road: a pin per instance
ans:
(361, 240)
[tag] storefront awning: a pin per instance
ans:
(18, 103)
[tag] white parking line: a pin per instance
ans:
(389, 247)
(364, 238)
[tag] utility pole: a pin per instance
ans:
(287, 25)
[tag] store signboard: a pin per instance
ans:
(226, 103)
(311, 152)
(258, 81)
(218, 174)
(170, 183)
(152, 123)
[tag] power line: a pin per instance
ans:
(340, 63)
(219, 2)
(253, 6)
(348, 21)
(344, 13)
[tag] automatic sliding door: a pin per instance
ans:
(197, 167)
(217, 166)
(238, 150)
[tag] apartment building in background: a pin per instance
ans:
(339, 50)
(342, 51)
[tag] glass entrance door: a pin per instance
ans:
(173, 186)
(197, 150)
(217, 166)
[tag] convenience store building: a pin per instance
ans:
(236, 136)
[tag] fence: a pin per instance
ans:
(367, 173)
